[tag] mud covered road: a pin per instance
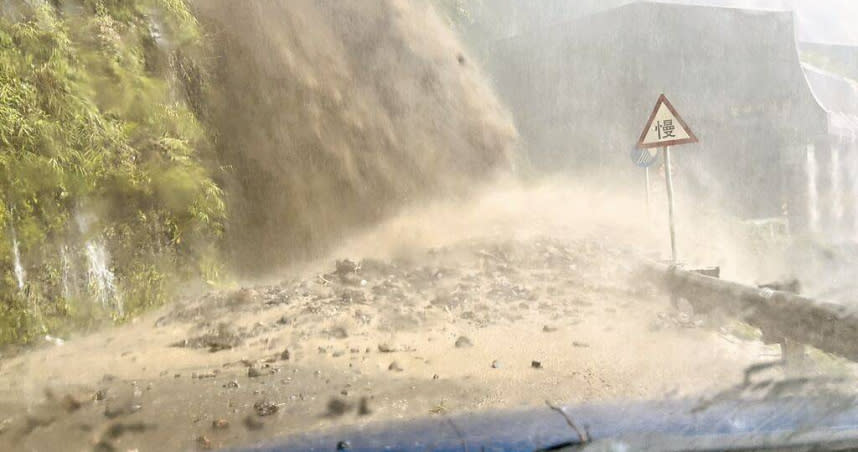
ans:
(497, 319)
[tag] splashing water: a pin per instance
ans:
(101, 278)
(853, 153)
(812, 189)
(836, 182)
(70, 279)
(20, 274)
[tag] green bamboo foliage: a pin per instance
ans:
(95, 123)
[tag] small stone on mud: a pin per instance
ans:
(463, 342)
(343, 445)
(285, 355)
(548, 329)
(231, 385)
(345, 267)
(395, 367)
(253, 372)
(251, 423)
(385, 348)
(100, 395)
(119, 408)
(243, 296)
(220, 424)
(496, 364)
(265, 408)
(339, 333)
(70, 403)
(536, 364)
(363, 407)
(204, 443)
(337, 407)
(580, 344)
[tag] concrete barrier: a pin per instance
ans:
(830, 327)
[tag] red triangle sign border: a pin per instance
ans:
(662, 99)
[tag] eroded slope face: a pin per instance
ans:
(333, 113)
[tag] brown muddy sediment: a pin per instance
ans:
(333, 114)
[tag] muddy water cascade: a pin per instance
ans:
(332, 114)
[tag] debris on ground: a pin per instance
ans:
(265, 408)
(220, 424)
(337, 407)
(463, 342)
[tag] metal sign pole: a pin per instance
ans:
(648, 210)
(669, 179)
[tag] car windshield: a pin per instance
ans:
(230, 223)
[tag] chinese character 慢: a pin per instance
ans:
(665, 129)
(668, 128)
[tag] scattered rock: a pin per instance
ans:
(548, 329)
(345, 267)
(265, 408)
(284, 321)
(349, 296)
(100, 395)
(338, 333)
(223, 338)
(385, 348)
(204, 443)
(33, 422)
(252, 423)
(463, 342)
(435, 377)
(243, 296)
(124, 407)
(536, 364)
(118, 429)
(103, 446)
(395, 367)
(231, 385)
(363, 407)
(70, 403)
(496, 364)
(343, 445)
(220, 424)
(337, 407)
(253, 372)
(338, 353)
(285, 355)
(580, 344)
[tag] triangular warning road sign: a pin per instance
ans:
(665, 127)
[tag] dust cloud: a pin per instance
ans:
(519, 294)
(361, 132)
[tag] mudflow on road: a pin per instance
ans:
(446, 311)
